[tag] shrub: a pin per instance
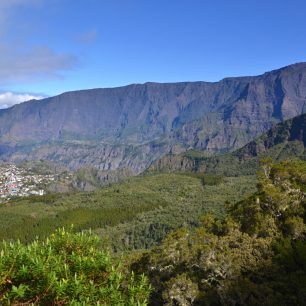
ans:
(66, 269)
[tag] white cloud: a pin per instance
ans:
(24, 65)
(8, 99)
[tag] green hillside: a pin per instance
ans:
(255, 256)
(284, 141)
(134, 214)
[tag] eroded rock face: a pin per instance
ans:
(173, 163)
(133, 125)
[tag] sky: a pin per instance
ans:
(51, 46)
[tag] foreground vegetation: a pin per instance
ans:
(66, 269)
(249, 251)
(255, 256)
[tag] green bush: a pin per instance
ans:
(66, 269)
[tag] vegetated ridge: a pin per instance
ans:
(283, 141)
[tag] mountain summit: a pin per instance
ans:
(130, 126)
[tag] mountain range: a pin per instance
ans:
(130, 127)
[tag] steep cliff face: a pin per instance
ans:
(123, 125)
(104, 157)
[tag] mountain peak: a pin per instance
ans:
(292, 67)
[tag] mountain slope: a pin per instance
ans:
(284, 140)
(150, 119)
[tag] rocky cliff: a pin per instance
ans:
(131, 126)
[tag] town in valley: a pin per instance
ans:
(16, 181)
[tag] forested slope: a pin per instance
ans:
(255, 256)
(283, 141)
(134, 214)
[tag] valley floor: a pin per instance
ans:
(135, 214)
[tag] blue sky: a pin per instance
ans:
(51, 46)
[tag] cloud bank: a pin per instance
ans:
(8, 99)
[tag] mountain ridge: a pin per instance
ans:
(212, 116)
(284, 140)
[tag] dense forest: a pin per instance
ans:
(135, 214)
(250, 250)
(256, 255)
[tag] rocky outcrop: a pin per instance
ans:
(173, 163)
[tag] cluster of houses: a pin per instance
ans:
(17, 181)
